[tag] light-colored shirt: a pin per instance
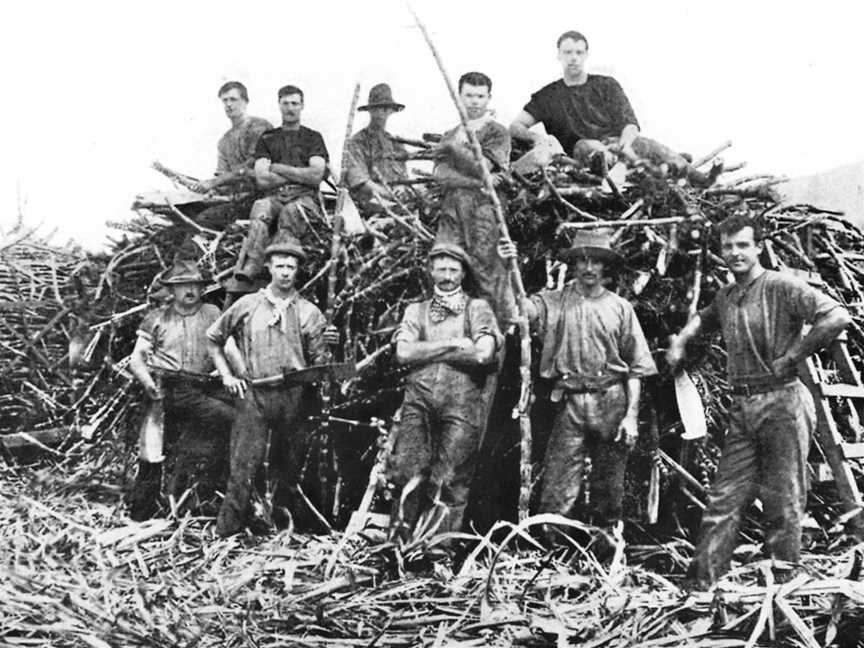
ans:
(179, 342)
(236, 148)
(494, 140)
(272, 338)
(762, 320)
(590, 341)
(367, 152)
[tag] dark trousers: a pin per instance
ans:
(264, 414)
(765, 456)
(586, 425)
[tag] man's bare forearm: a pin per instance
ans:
(821, 334)
(304, 175)
(521, 132)
(628, 135)
(220, 361)
(426, 351)
(634, 390)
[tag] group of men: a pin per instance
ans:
(594, 352)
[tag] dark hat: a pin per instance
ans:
(284, 243)
(380, 96)
(183, 271)
(591, 243)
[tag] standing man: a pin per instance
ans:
(467, 217)
(596, 354)
(772, 416)
(591, 117)
(276, 329)
(290, 163)
(371, 153)
(171, 339)
(450, 341)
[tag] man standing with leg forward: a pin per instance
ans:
(450, 341)
(591, 117)
(290, 161)
(596, 354)
(761, 316)
(172, 339)
(276, 329)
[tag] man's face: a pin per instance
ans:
(447, 273)
(378, 116)
(291, 106)
(283, 270)
(233, 104)
(475, 99)
(186, 294)
(572, 55)
(740, 251)
(589, 271)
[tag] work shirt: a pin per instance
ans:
(494, 139)
(597, 109)
(475, 321)
(179, 342)
(762, 320)
(294, 148)
(236, 148)
(590, 341)
(272, 338)
(369, 151)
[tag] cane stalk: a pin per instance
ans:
(521, 410)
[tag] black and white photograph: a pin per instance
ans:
(405, 323)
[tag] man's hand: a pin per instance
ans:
(628, 432)
(203, 186)
(235, 386)
(507, 249)
(152, 390)
(331, 335)
(675, 352)
(784, 366)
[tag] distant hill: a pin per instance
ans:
(840, 189)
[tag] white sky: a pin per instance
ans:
(97, 89)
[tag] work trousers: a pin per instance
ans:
(764, 456)
(586, 425)
(296, 216)
(263, 410)
(437, 439)
(467, 218)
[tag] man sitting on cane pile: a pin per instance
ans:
(276, 329)
(171, 339)
(450, 341)
(590, 118)
(467, 216)
(372, 156)
(596, 354)
(772, 416)
(291, 162)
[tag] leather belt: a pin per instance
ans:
(559, 391)
(761, 388)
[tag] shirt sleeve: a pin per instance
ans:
(634, 346)
(356, 168)
(482, 322)
(148, 330)
(312, 329)
(496, 146)
(221, 157)
(538, 326)
(710, 315)
(620, 104)
(228, 323)
(262, 150)
(317, 148)
(807, 303)
(410, 328)
(537, 107)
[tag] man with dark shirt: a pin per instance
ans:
(591, 117)
(290, 161)
(772, 416)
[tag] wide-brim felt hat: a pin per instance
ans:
(380, 96)
(183, 271)
(285, 244)
(594, 244)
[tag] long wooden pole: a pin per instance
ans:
(521, 410)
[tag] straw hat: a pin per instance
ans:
(380, 96)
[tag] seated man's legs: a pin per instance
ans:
(595, 155)
(657, 153)
(300, 216)
(251, 258)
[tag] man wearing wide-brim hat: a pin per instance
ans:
(450, 343)
(596, 355)
(197, 417)
(372, 158)
(276, 329)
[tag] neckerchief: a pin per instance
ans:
(280, 308)
(445, 304)
(474, 125)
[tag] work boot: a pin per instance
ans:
(144, 498)
(597, 164)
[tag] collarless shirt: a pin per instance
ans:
(369, 151)
(236, 148)
(179, 342)
(762, 320)
(294, 148)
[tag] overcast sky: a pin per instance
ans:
(98, 90)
